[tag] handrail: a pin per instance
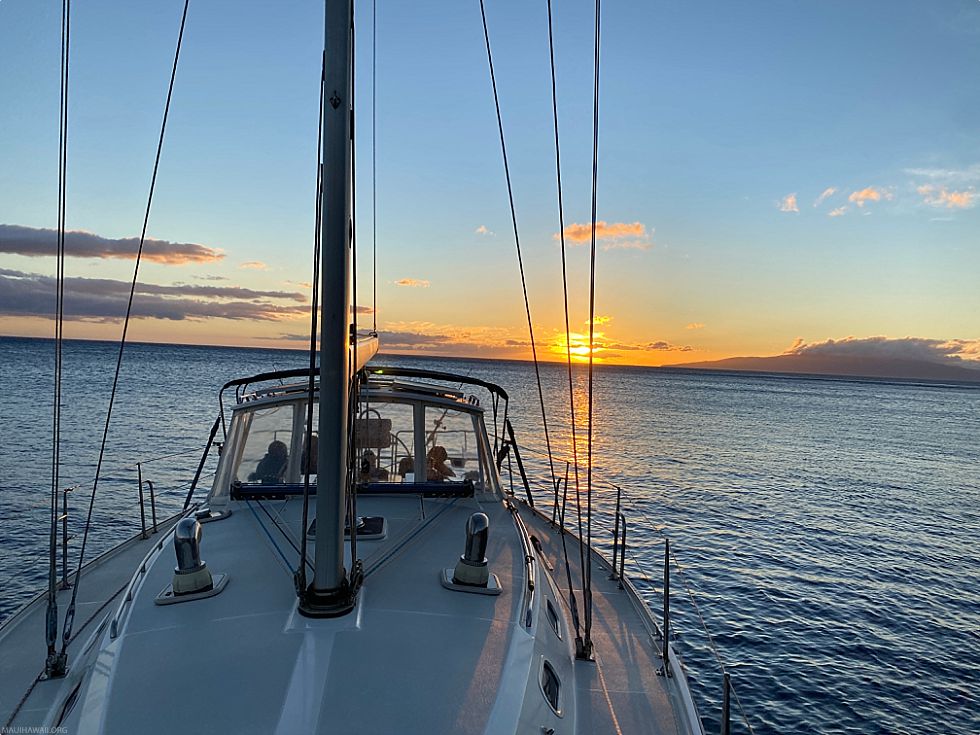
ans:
(665, 669)
(623, 506)
(529, 561)
(65, 584)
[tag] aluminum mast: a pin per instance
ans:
(330, 594)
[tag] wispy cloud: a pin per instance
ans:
(826, 194)
(611, 235)
(253, 265)
(104, 300)
(483, 230)
(694, 325)
(412, 282)
(210, 278)
(869, 194)
(940, 196)
(788, 204)
(838, 212)
(948, 176)
(39, 242)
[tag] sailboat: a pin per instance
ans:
(357, 566)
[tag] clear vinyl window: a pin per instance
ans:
(453, 451)
(267, 452)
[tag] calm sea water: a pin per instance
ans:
(828, 529)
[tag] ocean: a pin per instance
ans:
(826, 528)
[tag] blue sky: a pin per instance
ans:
(713, 115)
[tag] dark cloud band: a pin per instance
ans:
(101, 299)
(36, 242)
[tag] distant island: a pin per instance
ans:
(845, 366)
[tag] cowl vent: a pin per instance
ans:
(471, 573)
(192, 578)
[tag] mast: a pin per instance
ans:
(331, 593)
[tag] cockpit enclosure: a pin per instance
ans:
(408, 437)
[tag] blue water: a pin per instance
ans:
(827, 528)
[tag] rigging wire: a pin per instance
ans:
(54, 664)
(517, 241)
(300, 574)
(374, 164)
(568, 347)
(592, 249)
(70, 614)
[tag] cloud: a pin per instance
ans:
(614, 236)
(903, 348)
(948, 176)
(413, 339)
(667, 347)
(869, 194)
(412, 282)
(412, 336)
(940, 196)
(838, 212)
(36, 242)
(788, 204)
(254, 265)
(599, 320)
(694, 325)
(483, 230)
(217, 292)
(828, 192)
(104, 300)
(604, 348)
(210, 278)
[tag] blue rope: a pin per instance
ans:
(269, 535)
(412, 535)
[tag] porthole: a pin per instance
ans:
(551, 687)
(553, 618)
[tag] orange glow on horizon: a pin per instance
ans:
(578, 346)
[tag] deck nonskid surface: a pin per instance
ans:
(22, 641)
(620, 692)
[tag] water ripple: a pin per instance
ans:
(828, 528)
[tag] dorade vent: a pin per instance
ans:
(551, 687)
(471, 573)
(192, 578)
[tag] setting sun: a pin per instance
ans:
(578, 346)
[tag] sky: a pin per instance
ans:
(773, 176)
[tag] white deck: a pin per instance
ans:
(22, 646)
(620, 692)
(413, 657)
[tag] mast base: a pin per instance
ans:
(332, 603)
